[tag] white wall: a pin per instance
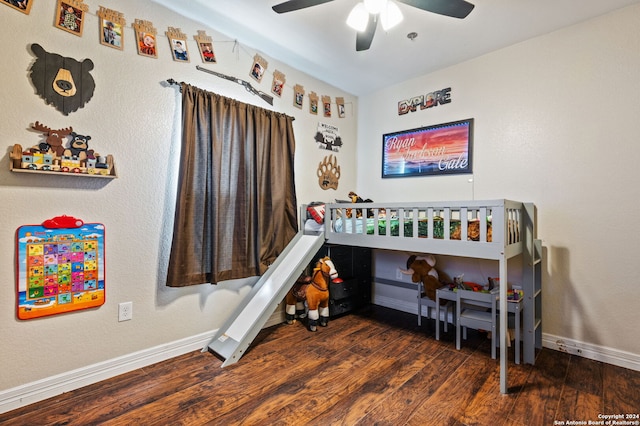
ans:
(135, 118)
(555, 124)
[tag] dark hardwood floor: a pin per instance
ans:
(376, 367)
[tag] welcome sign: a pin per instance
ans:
(443, 149)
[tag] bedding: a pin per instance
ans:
(473, 228)
(310, 225)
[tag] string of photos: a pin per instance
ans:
(70, 16)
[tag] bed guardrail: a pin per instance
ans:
(495, 223)
(425, 220)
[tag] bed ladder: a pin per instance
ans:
(236, 334)
(532, 286)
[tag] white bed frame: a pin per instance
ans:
(514, 233)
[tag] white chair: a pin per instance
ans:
(444, 293)
(477, 310)
(433, 310)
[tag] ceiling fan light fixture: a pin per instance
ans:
(358, 17)
(390, 16)
(375, 6)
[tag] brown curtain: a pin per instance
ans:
(236, 204)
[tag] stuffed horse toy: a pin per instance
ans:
(315, 291)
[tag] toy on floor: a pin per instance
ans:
(422, 269)
(315, 292)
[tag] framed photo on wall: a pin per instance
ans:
(23, 6)
(110, 34)
(146, 44)
(110, 28)
(258, 68)
(206, 52)
(326, 106)
(178, 43)
(340, 103)
(145, 38)
(70, 16)
(277, 85)
(313, 103)
(179, 50)
(298, 96)
(442, 149)
(205, 46)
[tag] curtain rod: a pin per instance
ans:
(173, 82)
(263, 95)
(246, 84)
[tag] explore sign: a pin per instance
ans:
(435, 98)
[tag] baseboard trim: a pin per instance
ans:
(39, 390)
(406, 306)
(590, 351)
(574, 347)
(397, 304)
(55, 385)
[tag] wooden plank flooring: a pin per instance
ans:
(376, 367)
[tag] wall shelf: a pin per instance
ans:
(16, 164)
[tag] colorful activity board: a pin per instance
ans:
(60, 267)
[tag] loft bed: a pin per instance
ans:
(495, 230)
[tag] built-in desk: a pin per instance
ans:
(513, 306)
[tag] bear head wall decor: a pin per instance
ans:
(62, 82)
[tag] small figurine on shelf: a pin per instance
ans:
(79, 147)
(54, 154)
(54, 138)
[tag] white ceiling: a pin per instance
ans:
(317, 41)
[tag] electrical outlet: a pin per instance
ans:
(398, 274)
(125, 311)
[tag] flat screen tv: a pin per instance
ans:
(442, 149)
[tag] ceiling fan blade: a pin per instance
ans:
(291, 5)
(454, 8)
(364, 38)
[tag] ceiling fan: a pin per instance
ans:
(364, 16)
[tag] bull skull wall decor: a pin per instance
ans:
(422, 269)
